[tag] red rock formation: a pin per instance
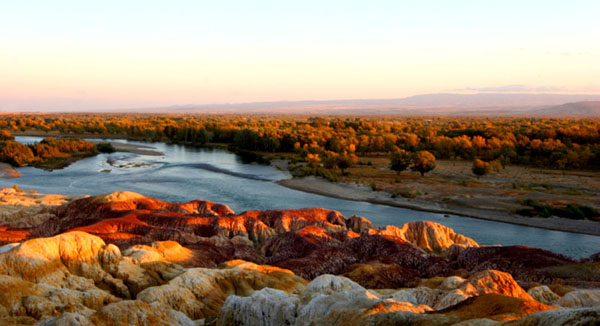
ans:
(8, 236)
(399, 252)
(380, 275)
(175, 260)
(310, 241)
(524, 263)
(495, 307)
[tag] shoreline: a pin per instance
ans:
(120, 147)
(8, 172)
(131, 148)
(323, 187)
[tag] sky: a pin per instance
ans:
(93, 55)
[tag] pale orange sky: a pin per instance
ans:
(75, 56)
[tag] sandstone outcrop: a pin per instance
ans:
(126, 259)
(580, 298)
(20, 210)
(333, 300)
(131, 313)
(201, 292)
(544, 294)
(429, 236)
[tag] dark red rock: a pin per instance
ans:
(310, 241)
(401, 253)
(382, 275)
(524, 263)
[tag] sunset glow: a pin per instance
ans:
(72, 55)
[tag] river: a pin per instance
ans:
(186, 173)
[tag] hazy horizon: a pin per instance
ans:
(82, 56)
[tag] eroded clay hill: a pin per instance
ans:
(126, 259)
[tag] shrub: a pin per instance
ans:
(480, 168)
(105, 148)
(373, 186)
(571, 211)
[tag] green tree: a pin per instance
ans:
(345, 161)
(105, 148)
(330, 160)
(400, 160)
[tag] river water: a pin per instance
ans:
(187, 173)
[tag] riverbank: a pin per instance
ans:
(451, 190)
(132, 148)
(7, 171)
(360, 193)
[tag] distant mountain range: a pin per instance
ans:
(483, 104)
(589, 109)
(488, 104)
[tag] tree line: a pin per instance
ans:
(338, 140)
(49, 149)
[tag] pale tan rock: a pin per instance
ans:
(23, 210)
(563, 317)
(329, 284)
(434, 298)
(451, 283)
(159, 251)
(145, 266)
(418, 296)
(451, 298)
(359, 224)
(200, 292)
(327, 300)
(455, 290)
(543, 294)
(580, 299)
(493, 281)
(8, 247)
(429, 236)
(67, 319)
(140, 276)
(118, 196)
(40, 301)
(137, 313)
(268, 307)
(57, 259)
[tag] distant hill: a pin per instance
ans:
(588, 109)
(428, 104)
(486, 104)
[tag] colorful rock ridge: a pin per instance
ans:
(126, 259)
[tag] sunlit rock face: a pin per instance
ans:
(429, 236)
(126, 259)
(334, 300)
(21, 211)
(200, 292)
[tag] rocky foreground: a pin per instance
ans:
(126, 259)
